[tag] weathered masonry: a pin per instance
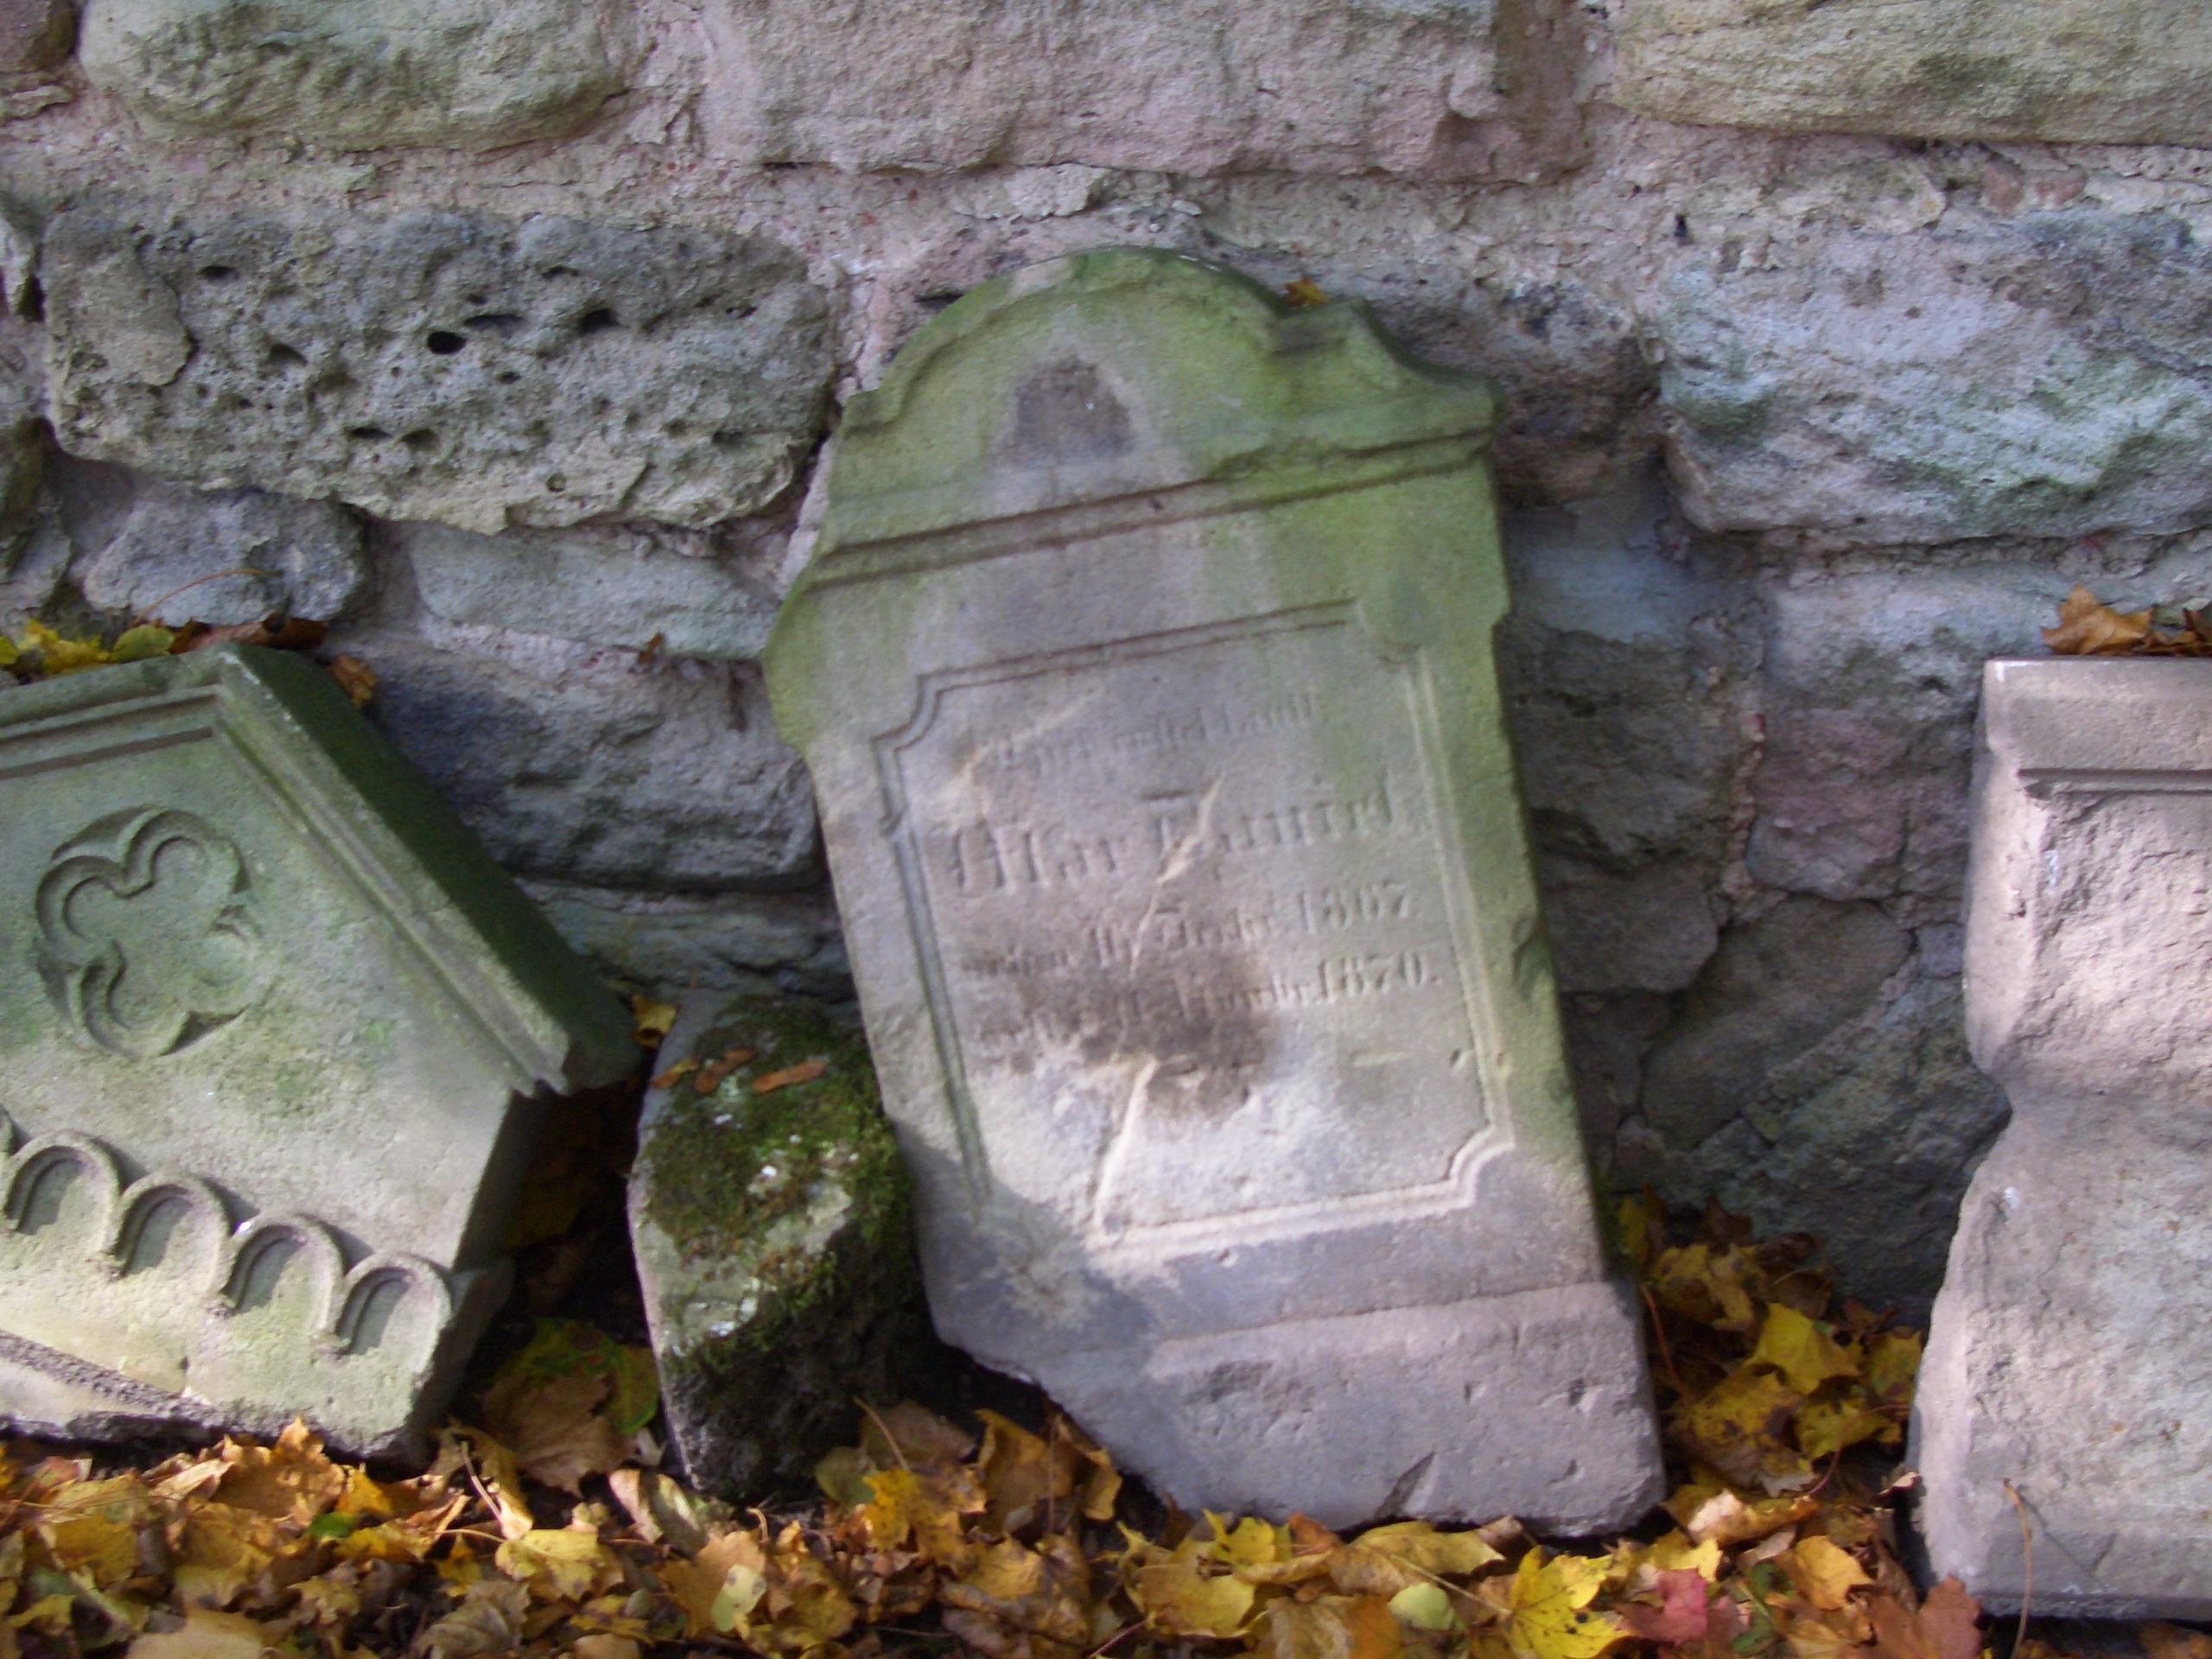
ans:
(1144, 673)
(276, 1036)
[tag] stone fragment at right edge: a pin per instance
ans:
(1144, 673)
(2070, 1346)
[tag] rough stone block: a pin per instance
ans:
(277, 1036)
(2074, 1331)
(629, 585)
(1144, 671)
(1435, 88)
(774, 1236)
(228, 557)
(35, 33)
(358, 74)
(2123, 72)
(476, 370)
(2042, 378)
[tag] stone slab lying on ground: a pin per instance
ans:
(1144, 671)
(277, 1036)
(2071, 1343)
(2121, 72)
(773, 1227)
(358, 74)
(477, 371)
(1453, 89)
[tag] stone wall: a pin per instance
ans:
(509, 334)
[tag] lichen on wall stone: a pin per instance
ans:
(477, 371)
(360, 74)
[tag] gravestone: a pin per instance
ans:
(2069, 1360)
(275, 1038)
(1144, 669)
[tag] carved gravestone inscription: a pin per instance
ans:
(2059, 1426)
(275, 1036)
(1144, 671)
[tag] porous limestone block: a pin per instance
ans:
(475, 370)
(774, 1237)
(1445, 89)
(1144, 669)
(35, 33)
(276, 1037)
(2123, 72)
(358, 74)
(2070, 1354)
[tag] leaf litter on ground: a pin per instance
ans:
(548, 1528)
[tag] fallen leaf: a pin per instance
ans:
(355, 678)
(1680, 1615)
(2087, 628)
(1303, 292)
(1945, 1626)
(2162, 1641)
(1825, 1574)
(205, 1635)
(488, 1621)
(1741, 1426)
(651, 1020)
(1551, 1617)
(1333, 1627)
(1801, 1351)
(804, 1071)
(560, 1564)
(1177, 1599)
(555, 1428)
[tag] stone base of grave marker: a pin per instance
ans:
(2061, 1426)
(276, 1036)
(1144, 671)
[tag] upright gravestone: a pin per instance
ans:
(1144, 669)
(275, 1036)
(2070, 1357)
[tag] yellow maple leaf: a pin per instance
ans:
(1798, 1348)
(1823, 1574)
(1893, 1363)
(1551, 1617)
(1739, 1427)
(559, 1564)
(1178, 1600)
(1678, 1553)
(1249, 1542)
(1826, 1427)
(92, 1527)
(1420, 1545)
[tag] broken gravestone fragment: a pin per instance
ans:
(1144, 670)
(2068, 1355)
(773, 1225)
(358, 74)
(277, 1036)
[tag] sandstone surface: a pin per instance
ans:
(775, 1242)
(1144, 673)
(476, 370)
(2129, 72)
(278, 1043)
(358, 74)
(2070, 1340)
(35, 33)
(1456, 89)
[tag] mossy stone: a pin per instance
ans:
(774, 1236)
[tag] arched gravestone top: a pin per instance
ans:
(1144, 670)
(276, 1034)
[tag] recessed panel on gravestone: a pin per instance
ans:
(1144, 673)
(277, 1036)
(1153, 899)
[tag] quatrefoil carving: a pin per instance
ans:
(147, 938)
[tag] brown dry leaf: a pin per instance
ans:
(206, 1635)
(554, 1429)
(2162, 1641)
(702, 1586)
(1726, 1519)
(804, 1071)
(1044, 1592)
(664, 1510)
(1333, 1627)
(909, 1436)
(1741, 1428)
(1944, 1627)
(2087, 628)
(488, 1621)
(291, 1482)
(224, 1552)
(604, 1645)
(355, 678)
(92, 1527)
